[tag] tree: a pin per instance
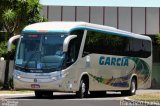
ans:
(158, 39)
(14, 16)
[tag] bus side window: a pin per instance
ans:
(74, 47)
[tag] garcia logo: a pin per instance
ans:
(113, 61)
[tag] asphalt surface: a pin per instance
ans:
(52, 102)
(60, 99)
(65, 99)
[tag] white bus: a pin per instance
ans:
(82, 58)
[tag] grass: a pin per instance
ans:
(14, 92)
(147, 97)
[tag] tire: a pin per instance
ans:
(98, 93)
(132, 90)
(48, 93)
(38, 94)
(83, 90)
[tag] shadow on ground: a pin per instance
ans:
(68, 96)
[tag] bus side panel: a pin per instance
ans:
(109, 72)
(144, 66)
(114, 72)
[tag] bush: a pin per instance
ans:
(158, 39)
(3, 50)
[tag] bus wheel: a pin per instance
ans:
(38, 94)
(132, 90)
(48, 93)
(83, 90)
(133, 87)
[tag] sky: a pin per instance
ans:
(109, 3)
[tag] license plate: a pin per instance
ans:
(35, 86)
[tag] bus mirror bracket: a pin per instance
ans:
(11, 40)
(66, 42)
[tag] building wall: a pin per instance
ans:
(137, 20)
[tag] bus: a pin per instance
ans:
(81, 58)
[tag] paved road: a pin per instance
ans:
(61, 99)
(64, 99)
(57, 102)
(64, 96)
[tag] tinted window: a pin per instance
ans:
(147, 48)
(140, 48)
(74, 47)
(136, 47)
(77, 41)
(114, 44)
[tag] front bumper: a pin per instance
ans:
(55, 81)
(51, 86)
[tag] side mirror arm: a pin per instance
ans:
(66, 42)
(11, 40)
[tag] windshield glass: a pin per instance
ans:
(41, 51)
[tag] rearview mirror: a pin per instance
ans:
(66, 42)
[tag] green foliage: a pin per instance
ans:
(9, 15)
(158, 39)
(16, 14)
(3, 49)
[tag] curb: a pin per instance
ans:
(18, 94)
(133, 102)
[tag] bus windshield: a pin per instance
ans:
(41, 51)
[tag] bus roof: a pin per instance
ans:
(66, 27)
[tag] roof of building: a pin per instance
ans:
(65, 27)
(108, 3)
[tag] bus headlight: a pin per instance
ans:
(59, 77)
(54, 78)
(18, 75)
(64, 75)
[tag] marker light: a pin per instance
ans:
(54, 78)
(18, 76)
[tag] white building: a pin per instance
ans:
(138, 18)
